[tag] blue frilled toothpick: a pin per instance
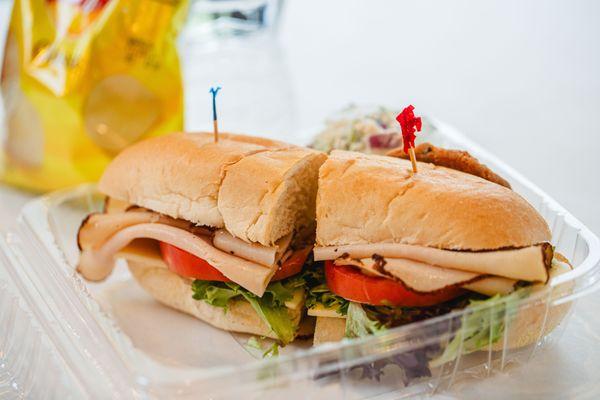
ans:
(214, 92)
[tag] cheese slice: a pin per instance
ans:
(319, 310)
(143, 251)
(527, 263)
(297, 300)
(97, 263)
(492, 285)
(112, 205)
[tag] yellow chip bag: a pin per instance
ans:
(81, 80)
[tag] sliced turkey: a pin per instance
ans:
(97, 263)
(425, 278)
(98, 228)
(528, 263)
(251, 251)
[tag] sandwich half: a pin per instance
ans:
(217, 230)
(399, 247)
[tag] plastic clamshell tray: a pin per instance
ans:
(112, 340)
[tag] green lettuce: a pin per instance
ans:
(275, 315)
(270, 307)
(318, 292)
(358, 323)
(272, 351)
(255, 343)
(213, 293)
(483, 323)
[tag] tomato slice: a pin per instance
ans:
(351, 284)
(293, 265)
(185, 264)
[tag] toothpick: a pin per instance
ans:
(413, 159)
(214, 92)
(216, 130)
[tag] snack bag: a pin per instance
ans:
(81, 80)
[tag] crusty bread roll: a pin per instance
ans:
(265, 195)
(371, 199)
(329, 330)
(259, 189)
(176, 292)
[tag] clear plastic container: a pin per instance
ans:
(112, 340)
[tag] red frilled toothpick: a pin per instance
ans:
(409, 124)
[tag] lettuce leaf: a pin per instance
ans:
(358, 323)
(272, 351)
(270, 307)
(212, 293)
(318, 292)
(361, 321)
(255, 343)
(481, 325)
(276, 316)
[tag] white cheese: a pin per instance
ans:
(492, 285)
(297, 301)
(319, 310)
(112, 205)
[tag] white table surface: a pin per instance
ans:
(521, 78)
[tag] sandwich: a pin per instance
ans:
(218, 230)
(398, 247)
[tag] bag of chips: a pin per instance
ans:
(81, 80)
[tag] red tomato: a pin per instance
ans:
(351, 284)
(185, 264)
(293, 265)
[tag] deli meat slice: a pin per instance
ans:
(251, 251)
(97, 263)
(425, 278)
(528, 263)
(98, 228)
